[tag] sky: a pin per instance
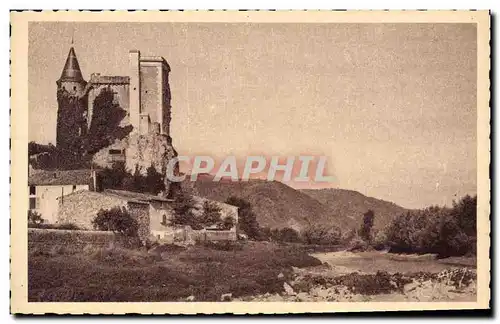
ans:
(391, 106)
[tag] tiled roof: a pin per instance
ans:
(136, 195)
(57, 177)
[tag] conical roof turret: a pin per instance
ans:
(71, 71)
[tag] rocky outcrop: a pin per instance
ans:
(140, 152)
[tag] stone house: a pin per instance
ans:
(153, 213)
(45, 187)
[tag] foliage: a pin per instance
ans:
(227, 223)
(247, 220)
(153, 183)
(183, 207)
(322, 235)
(117, 220)
(441, 230)
(365, 231)
(117, 177)
(105, 125)
(380, 240)
(60, 226)
(50, 157)
(465, 212)
(285, 234)
(211, 214)
(113, 177)
(35, 148)
(34, 217)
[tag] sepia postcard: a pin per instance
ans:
(249, 162)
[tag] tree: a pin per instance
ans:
(34, 217)
(117, 220)
(211, 214)
(465, 212)
(288, 234)
(153, 183)
(365, 231)
(322, 235)
(183, 207)
(114, 177)
(247, 220)
(227, 223)
(439, 230)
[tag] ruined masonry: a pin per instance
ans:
(144, 95)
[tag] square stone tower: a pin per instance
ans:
(149, 108)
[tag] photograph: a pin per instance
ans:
(270, 162)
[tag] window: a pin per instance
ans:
(74, 187)
(164, 220)
(32, 190)
(33, 203)
(115, 152)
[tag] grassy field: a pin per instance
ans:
(164, 274)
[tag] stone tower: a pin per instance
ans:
(149, 94)
(72, 105)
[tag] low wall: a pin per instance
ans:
(47, 238)
(185, 234)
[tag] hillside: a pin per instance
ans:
(353, 204)
(275, 204)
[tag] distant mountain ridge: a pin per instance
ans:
(353, 204)
(278, 205)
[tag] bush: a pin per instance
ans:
(247, 220)
(61, 226)
(183, 207)
(117, 220)
(322, 235)
(34, 218)
(380, 240)
(221, 245)
(440, 230)
(285, 234)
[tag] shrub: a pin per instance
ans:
(440, 230)
(183, 207)
(227, 223)
(285, 234)
(247, 220)
(380, 240)
(34, 218)
(117, 220)
(322, 235)
(211, 214)
(61, 226)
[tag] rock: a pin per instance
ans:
(288, 289)
(190, 298)
(275, 298)
(281, 275)
(226, 297)
(303, 296)
(142, 152)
